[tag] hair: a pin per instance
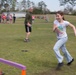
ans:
(61, 13)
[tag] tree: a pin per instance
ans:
(23, 3)
(7, 7)
(69, 5)
(42, 6)
(64, 2)
(13, 2)
(0, 8)
(28, 4)
(2, 3)
(33, 4)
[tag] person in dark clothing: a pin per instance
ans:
(28, 24)
(0, 18)
(14, 18)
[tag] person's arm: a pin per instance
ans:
(73, 27)
(56, 29)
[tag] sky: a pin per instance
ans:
(52, 5)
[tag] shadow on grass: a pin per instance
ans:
(19, 40)
(48, 72)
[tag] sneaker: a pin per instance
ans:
(69, 63)
(26, 40)
(59, 66)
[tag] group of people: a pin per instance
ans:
(59, 27)
(9, 18)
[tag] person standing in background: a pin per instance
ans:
(14, 18)
(28, 24)
(0, 18)
(10, 18)
(3, 18)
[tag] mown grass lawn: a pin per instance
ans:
(40, 58)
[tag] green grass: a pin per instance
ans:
(40, 58)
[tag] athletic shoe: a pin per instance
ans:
(69, 63)
(26, 40)
(59, 66)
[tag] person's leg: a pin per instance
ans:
(56, 48)
(27, 35)
(13, 20)
(66, 53)
(28, 31)
(69, 58)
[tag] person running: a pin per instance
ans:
(28, 24)
(59, 28)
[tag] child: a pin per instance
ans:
(60, 29)
(3, 17)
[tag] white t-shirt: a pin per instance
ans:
(62, 28)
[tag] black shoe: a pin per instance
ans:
(59, 66)
(69, 63)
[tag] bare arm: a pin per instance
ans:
(73, 27)
(56, 29)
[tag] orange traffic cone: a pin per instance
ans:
(23, 72)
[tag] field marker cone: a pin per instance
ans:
(23, 72)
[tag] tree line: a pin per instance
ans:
(39, 8)
(24, 5)
(69, 6)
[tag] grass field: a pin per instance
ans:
(40, 58)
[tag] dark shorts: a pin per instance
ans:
(28, 29)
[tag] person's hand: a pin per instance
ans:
(28, 24)
(59, 31)
(75, 31)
